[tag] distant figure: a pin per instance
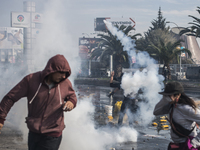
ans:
(49, 93)
(184, 115)
(165, 74)
(117, 77)
(128, 102)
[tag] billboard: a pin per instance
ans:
(87, 45)
(99, 25)
(20, 19)
(11, 44)
(11, 38)
(36, 17)
(23, 19)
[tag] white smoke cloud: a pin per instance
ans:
(125, 40)
(54, 38)
(147, 79)
(80, 131)
(16, 119)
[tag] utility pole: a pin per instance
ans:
(111, 64)
(28, 40)
(27, 20)
(180, 47)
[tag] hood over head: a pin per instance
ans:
(57, 63)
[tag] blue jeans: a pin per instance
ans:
(42, 142)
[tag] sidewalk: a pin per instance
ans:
(93, 81)
(106, 82)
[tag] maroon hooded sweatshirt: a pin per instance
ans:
(45, 106)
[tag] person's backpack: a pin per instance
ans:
(178, 129)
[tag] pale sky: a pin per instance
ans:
(79, 15)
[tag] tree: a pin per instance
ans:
(160, 43)
(167, 51)
(110, 45)
(193, 30)
(159, 23)
(153, 35)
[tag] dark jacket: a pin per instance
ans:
(118, 80)
(45, 113)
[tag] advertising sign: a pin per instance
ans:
(36, 17)
(100, 25)
(11, 43)
(182, 53)
(11, 38)
(86, 46)
(20, 19)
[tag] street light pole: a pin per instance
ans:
(180, 45)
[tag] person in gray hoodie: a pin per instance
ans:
(49, 93)
(184, 116)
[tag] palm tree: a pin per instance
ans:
(167, 51)
(193, 30)
(110, 45)
(160, 43)
(152, 37)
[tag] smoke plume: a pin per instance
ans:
(145, 77)
(80, 131)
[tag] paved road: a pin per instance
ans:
(148, 137)
(11, 140)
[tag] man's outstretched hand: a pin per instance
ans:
(68, 106)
